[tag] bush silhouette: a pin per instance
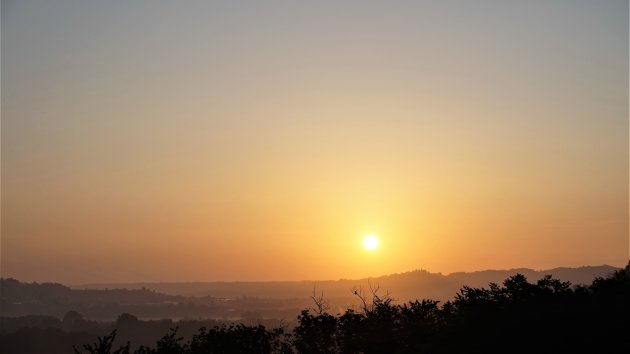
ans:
(104, 346)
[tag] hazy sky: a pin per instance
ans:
(207, 140)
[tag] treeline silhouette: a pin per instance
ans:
(548, 316)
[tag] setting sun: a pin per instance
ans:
(370, 242)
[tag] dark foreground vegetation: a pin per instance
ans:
(548, 316)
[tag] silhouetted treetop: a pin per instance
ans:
(547, 316)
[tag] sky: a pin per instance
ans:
(234, 140)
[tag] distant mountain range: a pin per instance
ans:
(412, 285)
(241, 300)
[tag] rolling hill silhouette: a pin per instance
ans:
(402, 286)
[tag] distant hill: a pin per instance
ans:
(253, 300)
(14, 291)
(19, 299)
(52, 299)
(403, 286)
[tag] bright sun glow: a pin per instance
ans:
(370, 242)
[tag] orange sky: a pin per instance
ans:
(224, 141)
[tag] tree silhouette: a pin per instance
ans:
(104, 346)
(547, 316)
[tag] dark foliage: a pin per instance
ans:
(104, 346)
(548, 316)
